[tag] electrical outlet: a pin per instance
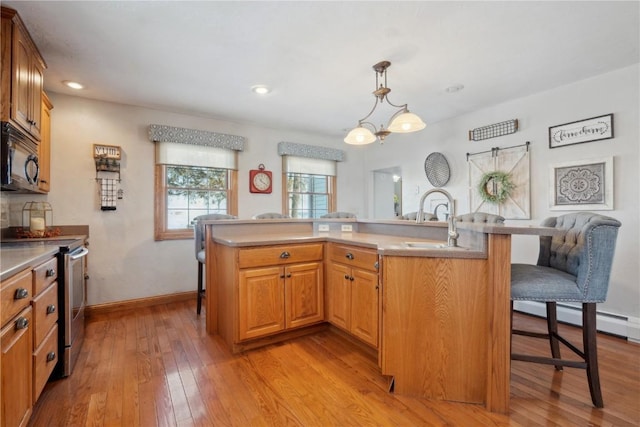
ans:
(323, 227)
(347, 227)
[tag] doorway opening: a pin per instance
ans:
(387, 193)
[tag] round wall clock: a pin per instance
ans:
(260, 180)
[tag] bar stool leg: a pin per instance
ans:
(552, 330)
(200, 290)
(591, 352)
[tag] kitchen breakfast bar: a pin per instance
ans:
(436, 316)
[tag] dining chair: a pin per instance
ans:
(270, 215)
(573, 266)
(339, 215)
(480, 217)
(198, 230)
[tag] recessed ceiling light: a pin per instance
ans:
(454, 88)
(73, 85)
(261, 89)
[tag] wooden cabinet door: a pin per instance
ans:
(35, 95)
(364, 306)
(339, 295)
(16, 341)
(261, 302)
(20, 88)
(44, 148)
(304, 292)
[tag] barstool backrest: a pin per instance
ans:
(480, 217)
(584, 249)
(339, 215)
(198, 229)
(270, 215)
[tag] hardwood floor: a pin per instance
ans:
(156, 366)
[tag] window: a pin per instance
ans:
(309, 187)
(191, 181)
(309, 196)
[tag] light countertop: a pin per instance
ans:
(388, 237)
(20, 254)
(385, 244)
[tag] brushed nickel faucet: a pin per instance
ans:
(452, 234)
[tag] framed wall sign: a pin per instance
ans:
(107, 151)
(582, 185)
(587, 130)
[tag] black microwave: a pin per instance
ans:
(20, 168)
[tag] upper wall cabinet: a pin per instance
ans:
(22, 79)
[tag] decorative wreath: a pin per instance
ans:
(502, 185)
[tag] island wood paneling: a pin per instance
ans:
(499, 323)
(434, 327)
(222, 286)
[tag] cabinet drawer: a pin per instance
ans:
(354, 256)
(44, 360)
(44, 274)
(16, 295)
(279, 255)
(45, 313)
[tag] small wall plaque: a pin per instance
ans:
(107, 151)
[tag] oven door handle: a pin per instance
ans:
(79, 254)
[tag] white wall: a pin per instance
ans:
(125, 262)
(616, 92)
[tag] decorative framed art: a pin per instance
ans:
(582, 185)
(499, 182)
(587, 130)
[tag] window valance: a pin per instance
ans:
(162, 133)
(311, 151)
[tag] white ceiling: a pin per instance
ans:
(202, 58)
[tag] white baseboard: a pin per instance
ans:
(628, 327)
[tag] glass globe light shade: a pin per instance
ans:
(406, 122)
(360, 136)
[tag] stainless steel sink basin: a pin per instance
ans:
(426, 245)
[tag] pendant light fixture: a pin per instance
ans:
(402, 121)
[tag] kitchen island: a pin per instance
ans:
(437, 317)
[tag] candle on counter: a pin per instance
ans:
(36, 226)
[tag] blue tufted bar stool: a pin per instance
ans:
(573, 266)
(198, 231)
(339, 215)
(411, 216)
(480, 218)
(270, 215)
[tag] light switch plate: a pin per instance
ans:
(323, 227)
(347, 227)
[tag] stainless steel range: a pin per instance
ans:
(72, 298)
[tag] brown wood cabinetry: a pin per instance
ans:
(45, 322)
(17, 345)
(15, 295)
(264, 294)
(22, 76)
(352, 295)
(273, 297)
(44, 148)
(29, 339)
